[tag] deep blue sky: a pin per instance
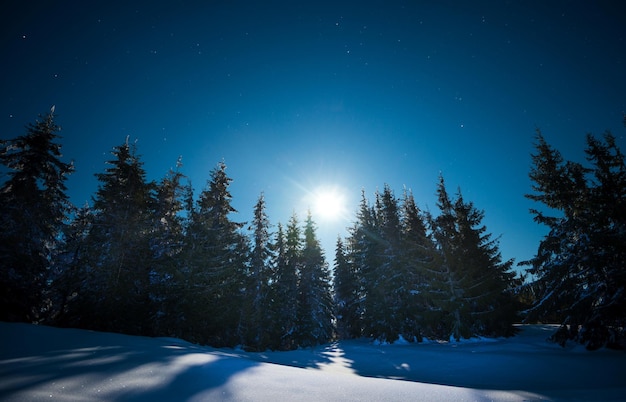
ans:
(294, 95)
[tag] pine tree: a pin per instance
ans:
(390, 280)
(69, 280)
(315, 304)
(34, 205)
(579, 264)
(257, 316)
(417, 257)
(118, 264)
(607, 237)
(285, 285)
(366, 252)
(475, 282)
(166, 244)
(216, 257)
(489, 294)
(347, 291)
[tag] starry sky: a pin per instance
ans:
(296, 96)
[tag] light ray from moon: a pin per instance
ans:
(328, 204)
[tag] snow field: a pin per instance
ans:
(44, 363)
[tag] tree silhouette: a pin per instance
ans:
(33, 207)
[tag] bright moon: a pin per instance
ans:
(328, 204)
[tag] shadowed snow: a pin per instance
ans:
(39, 363)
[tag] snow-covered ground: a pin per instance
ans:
(43, 363)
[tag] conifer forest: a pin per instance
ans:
(157, 258)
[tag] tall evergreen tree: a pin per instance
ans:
(166, 243)
(444, 292)
(473, 276)
(489, 295)
(282, 294)
(69, 282)
(389, 280)
(347, 291)
(216, 254)
(367, 252)
(257, 304)
(34, 205)
(285, 285)
(580, 263)
(315, 304)
(117, 268)
(417, 261)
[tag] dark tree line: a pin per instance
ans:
(402, 272)
(151, 258)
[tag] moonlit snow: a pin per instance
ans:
(43, 363)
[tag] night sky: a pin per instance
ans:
(298, 96)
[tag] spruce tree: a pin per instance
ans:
(117, 268)
(417, 257)
(166, 244)
(475, 281)
(315, 304)
(285, 285)
(390, 278)
(257, 315)
(347, 292)
(34, 205)
(492, 310)
(579, 264)
(216, 256)
(68, 285)
(283, 289)
(366, 252)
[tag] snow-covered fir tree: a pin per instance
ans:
(475, 283)
(215, 253)
(579, 265)
(414, 284)
(314, 304)
(347, 294)
(166, 244)
(257, 315)
(389, 285)
(284, 289)
(116, 270)
(33, 208)
(418, 259)
(67, 283)
(390, 253)
(366, 253)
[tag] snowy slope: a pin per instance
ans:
(43, 363)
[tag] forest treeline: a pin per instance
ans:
(153, 258)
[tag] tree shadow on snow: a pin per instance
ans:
(38, 362)
(525, 362)
(316, 357)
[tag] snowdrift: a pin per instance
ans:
(44, 363)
